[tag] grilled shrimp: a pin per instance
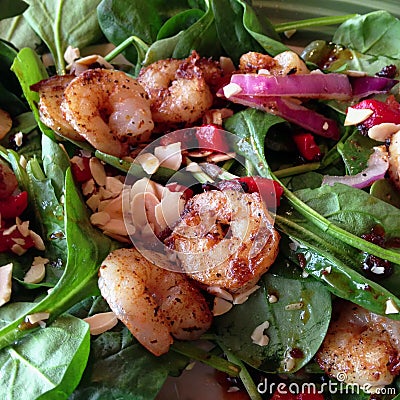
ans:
(51, 93)
(8, 181)
(154, 303)
(179, 89)
(362, 347)
(109, 109)
(226, 239)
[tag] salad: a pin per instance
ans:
(202, 192)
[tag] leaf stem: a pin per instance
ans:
(57, 39)
(298, 169)
(196, 353)
(306, 23)
(243, 375)
(122, 46)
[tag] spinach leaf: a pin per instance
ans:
(48, 364)
(371, 40)
(355, 152)
(61, 23)
(333, 265)
(302, 329)
(384, 190)
(12, 8)
(179, 22)
(87, 247)
(18, 32)
(120, 19)
(201, 36)
(353, 209)
(119, 367)
(252, 126)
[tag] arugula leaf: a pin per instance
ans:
(47, 365)
(12, 8)
(302, 329)
(61, 23)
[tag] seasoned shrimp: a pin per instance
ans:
(51, 93)
(362, 347)
(154, 303)
(109, 109)
(8, 181)
(225, 238)
(179, 89)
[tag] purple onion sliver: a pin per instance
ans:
(364, 86)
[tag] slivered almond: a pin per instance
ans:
(106, 194)
(93, 202)
(258, 336)
(98, 171)
(231, 89)
(240, 298)
(37, 271)
(18, 250)
(102, 322)
(114, 207)
(218, 157)
(37, 317)
(355, 116)
(172, 206)
(5, 283)
(88, 187)
(23, 227)
(141, 186)
(219, 292)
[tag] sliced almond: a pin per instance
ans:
(93, 202)
(141, 186)
(37, 317)
(172, 205)
(23, 227)
(170, 156)
(219, 157)
(231, 89)
(258, 336)
(240, 298)
(221, 306)
(106, 194)
(219, 292)
(102, 322)
(355, 116)
(97, 170)
(88, 187)
(149, 162)
(383, 131)
(391, 307)
(36, 272)
(114, 185)
(5, 283)
(18, 249)
(18, 138)
(116, 226)
(100, 218)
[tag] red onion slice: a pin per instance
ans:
(376, 169)
(292, 112)
(311, 86)
(364, 86)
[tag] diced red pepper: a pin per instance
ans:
(212, 137)
(388, 111)
(185, 136)
(14, 206)
(307, 147)
(80, 168)
(270, 190)
(7, 241)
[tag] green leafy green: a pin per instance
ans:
(12, 8)
(47, 365)
(61, 23)
(303, 328)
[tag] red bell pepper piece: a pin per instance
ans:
(388, 111)
(270, 190)
(212, 137)
(307, 147)
(80, 169)
(14, 205)
(7, 241)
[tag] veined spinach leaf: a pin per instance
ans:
(252, 126)
(48, 364)
(119, 367)
(303, 327)
(61, 23)
(18, 32)
(12, 8)
(87, 247)
(124, 18)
